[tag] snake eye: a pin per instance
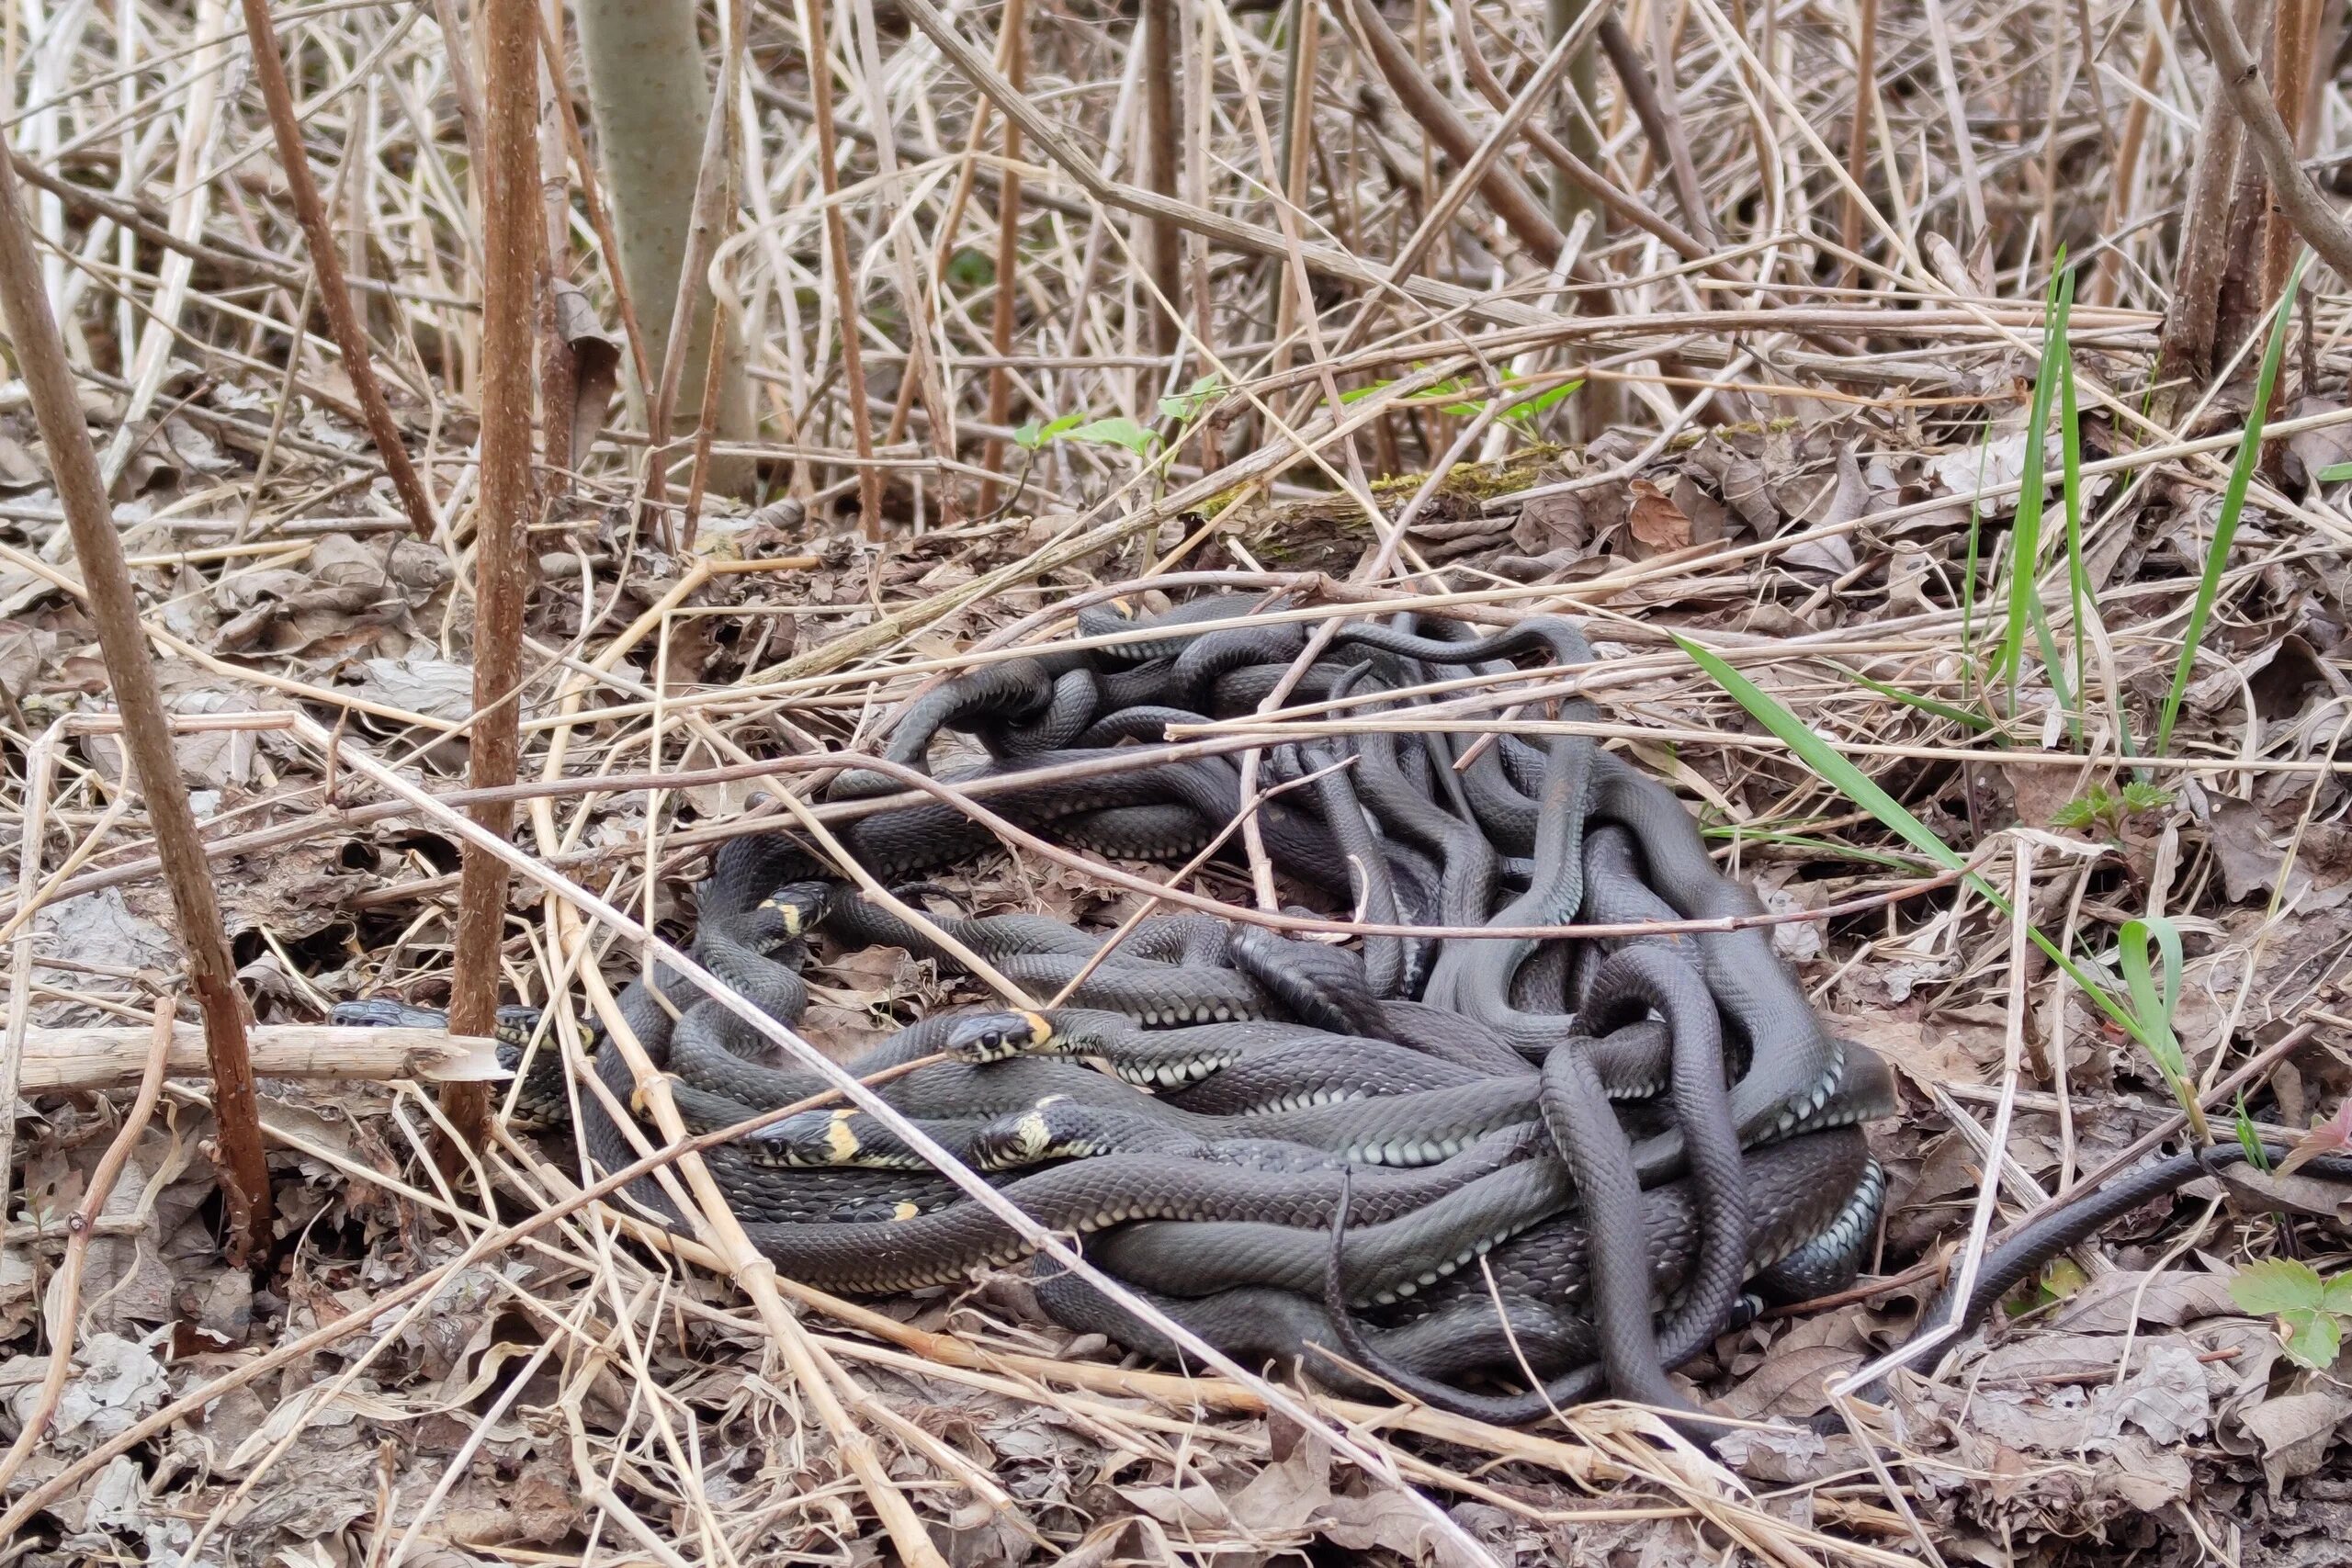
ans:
(992, 1036)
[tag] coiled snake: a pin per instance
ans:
(1292, 1147)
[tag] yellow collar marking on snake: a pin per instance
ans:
(841, 1138)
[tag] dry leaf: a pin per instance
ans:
(1655, 521)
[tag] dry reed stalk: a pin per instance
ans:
(1156, 38)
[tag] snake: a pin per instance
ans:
(1452, 1097)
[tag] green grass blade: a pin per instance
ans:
(2152, 1002)
(1968, 670)
(2225, 524)
(2056, 666)
(1912, 699)
(2070, 471)
(2025, 534)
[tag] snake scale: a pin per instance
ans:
(1296, 1150)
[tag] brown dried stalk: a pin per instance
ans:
(1008, 254)
(860, 409)
(334, 296)
(1156, 36)
(147, 735)
(1660, 122)
(510, 266)
(1505, 192)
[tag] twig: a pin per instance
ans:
(147, 735)
(1661, 122)
(1154, 35)
(102, 1058)
(2241, 77)
(1015, 52)
(819, 53)
(510, 265)
(334, 296)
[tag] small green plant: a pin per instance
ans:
(2311, 1311)
(2100, 808)
(1034, 436)
(1447, 398)
(2153, 1001)
(2334, 473)
(2225, 522)
(1117, 431)
(2249, 1139)
(2148, 1021)
(1181, 408)
(1188, 405)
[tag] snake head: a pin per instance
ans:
(1025, 1138)
(993, 1037)
(797, 906)
(1057, 1127)
(812, 1138)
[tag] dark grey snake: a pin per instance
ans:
(1457, 1099)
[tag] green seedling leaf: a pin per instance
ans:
(2335, 473)
(2225, 522)
(1117, 431)
(1188, 405)
(2339, 1294)
(1543, 402)
(2274, 1285)
(2141, 796)
(2312, 1338)
(1033, 436)
(2249, 1140)
(2085, 811)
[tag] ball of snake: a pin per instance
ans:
(1820, 1189)
(1386, 1262)
(884, 1258)
(1116, 618)
(1228, 1068)
(705, 1051)
(1047, 958)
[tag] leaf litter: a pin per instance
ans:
(580, 1395)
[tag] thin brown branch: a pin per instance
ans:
(1505, 192)
(147, 735)
(1660, 122)
(2322, 227)
(334, 296)
(1156, 36)
(510, 268)
(819, 54)
(1014, 53)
